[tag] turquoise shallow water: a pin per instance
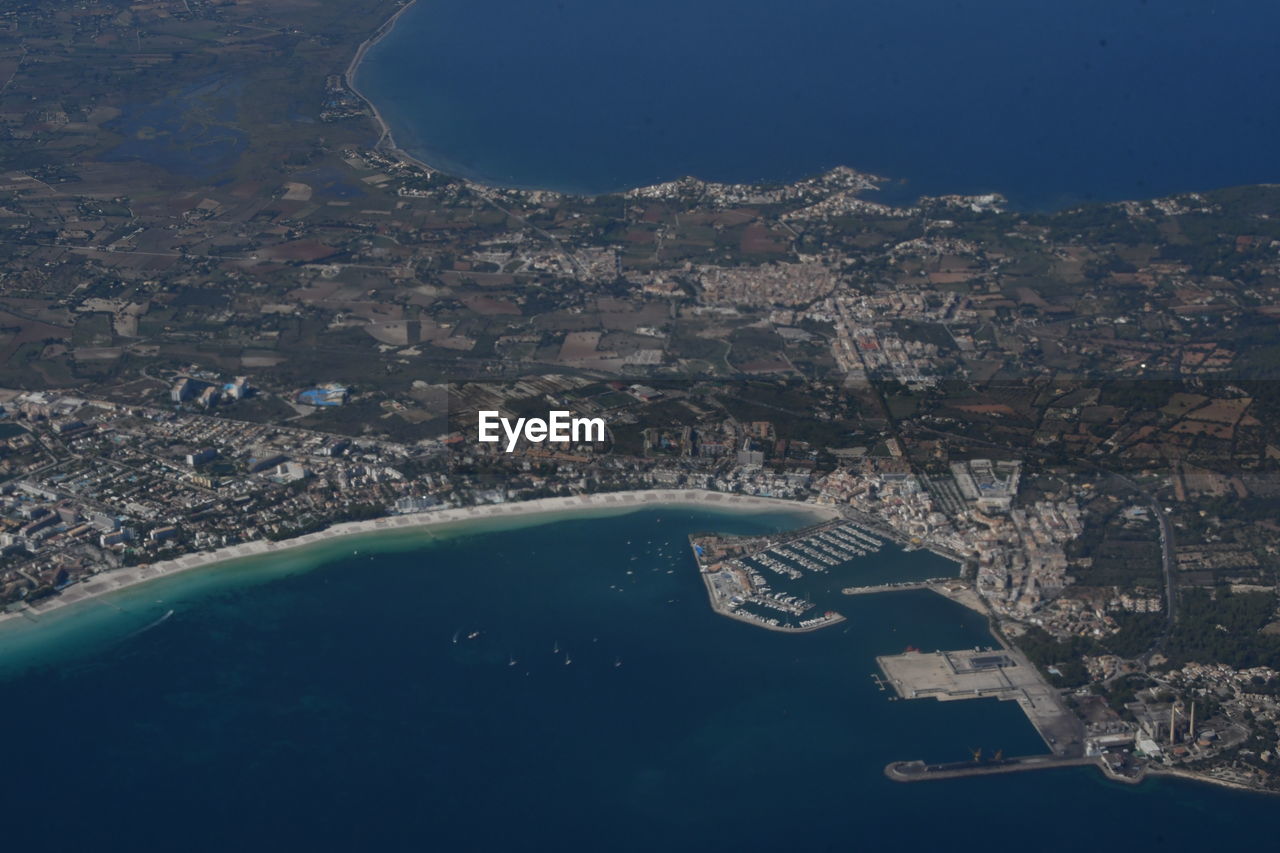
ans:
(1048, 103)
(328, 708)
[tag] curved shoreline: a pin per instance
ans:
(115, 580)
(386, 139)
(387, 145)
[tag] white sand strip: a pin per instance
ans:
(117, 579)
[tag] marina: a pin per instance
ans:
(969, 364)
(370, 643)
(116, 580)
(732, 570)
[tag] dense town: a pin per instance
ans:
(1080, 407)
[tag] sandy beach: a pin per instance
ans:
(118, 579)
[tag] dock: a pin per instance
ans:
(731, 584)
(1002, 673)
(903, 586)
(959, 591)
(736, 571)
(918, 771)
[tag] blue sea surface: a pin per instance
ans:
(346, 706)
(1050, 103)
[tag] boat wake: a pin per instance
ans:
(145, 628)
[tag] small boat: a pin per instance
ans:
(512, 661)
(473, 635)
(555, 650)
(617, 663)
(567, 660)
(457, 634)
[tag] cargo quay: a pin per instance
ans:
(1001, 673)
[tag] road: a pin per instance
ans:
(1168, 547)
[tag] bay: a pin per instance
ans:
(1049, 103)
(320, 701)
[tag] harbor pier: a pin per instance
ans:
(919, 771)
(1001, 673)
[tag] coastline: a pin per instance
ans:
(387, 144)
(386, 139)
(116, 580)
(1062, 201)
(1193, 776)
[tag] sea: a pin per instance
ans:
(1050, 103)
(552, 683)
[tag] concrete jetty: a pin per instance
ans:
(961, 592)
(904, 586)
(1002, 673)
(919, 771)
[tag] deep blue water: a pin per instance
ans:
(1048, 103)
(330, 709)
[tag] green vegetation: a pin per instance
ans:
(1221, 626)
